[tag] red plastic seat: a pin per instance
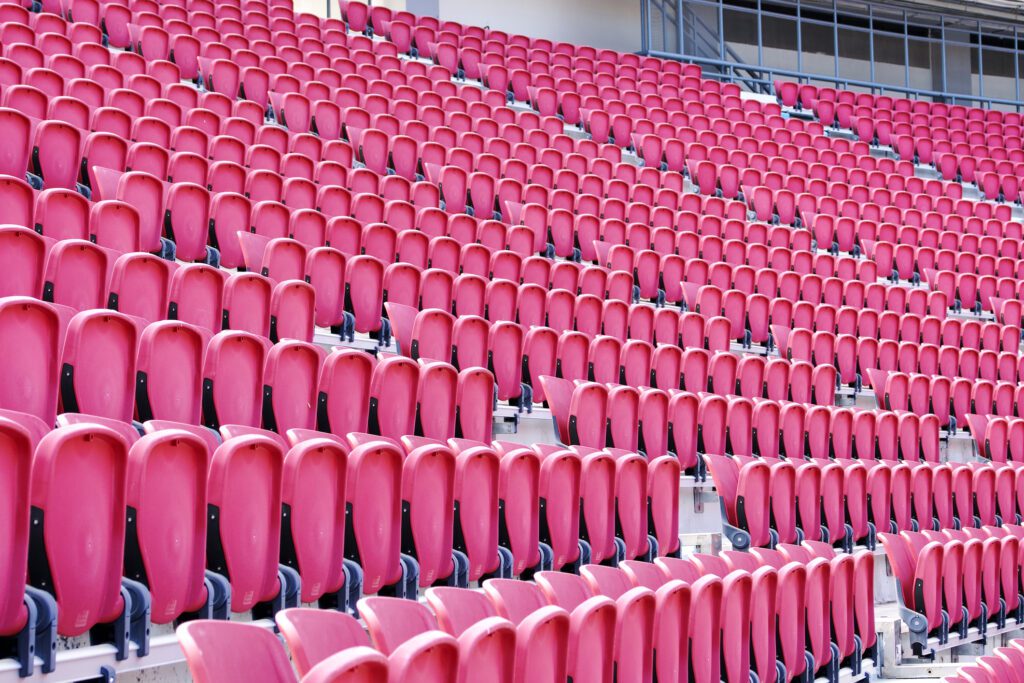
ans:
(591, 652)
(139, 286)
(87, 581)
(290, 379)
(30, 347)
(99, 365)
(233, 379)
(174, 574)
(220, 650)
(244, 545)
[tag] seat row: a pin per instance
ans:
(960, 234)
(706, 618)
(689, 424)
(310, 483)
(847, 502)
(115, 367)
(946, 397)
(80, 275)
(997, 438)
(1005, 663)
(956, 584)
(855, 352)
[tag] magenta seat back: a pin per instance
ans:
(233, 379)
(290, 386)
(196, 296)
(344, 395)
(167, 474)
(16, 450)
(139, 286)
(435, 400)
(30, 344)
(394, 621)
(428, 492)
(247, 303)
(314, 635)
(292, 311)
(245, 489)
(477, 474)
(22, 260)
(170, 372)
(374, 497)
(393, 397)
(76, 275)
(78, 484)
(313, 491)
(221, 651)
(99, 365)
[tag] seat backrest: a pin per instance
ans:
(313, 635)
(245, 492)
(457, 609)
(393, 397)
(343, 401)
(30, 345)
(233, 379)
(167, 474)
(568, 591)
(374, 498)
(98, 372)
(515, 600)
(78, 489)
(196, 296)
(222, 651)
(393, 621)
(313, 495)
(139, 286)
(169, 372)
(290, 380)
(16, 450)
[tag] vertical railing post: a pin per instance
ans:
(760, 37)
(906, 51)
(679, 27)
(799, 39)
(721, 31)
(835, 37)
(645, 27)
(981, 64)
(871, 42)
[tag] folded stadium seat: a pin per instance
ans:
(344, 393)
(504, 360)
(597, 502)
(366, 301)
(187, 207)
(175, 575)
(623, 409)
(239, 467)
(91, 594)
(76, 275)
(392, 397)
(401, 285)
(290, 380)
(292, 311)
(919, 580)
(98, 365)
(56, 154)
(325, 270)
(238, 359)
(246, 300)
(28, 623)
(22, 261)
(169, 372)
(139, 285)
(435, 400)
(592, 625)
(474, 405)
(744, 489)
(62, 214)
(313, 496)
(196, 292)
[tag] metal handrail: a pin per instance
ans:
(728, 72)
